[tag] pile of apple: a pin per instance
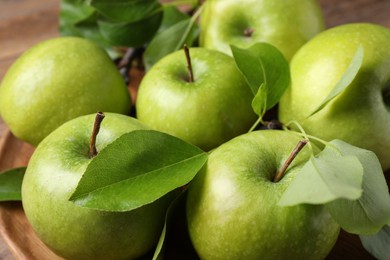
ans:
(108, 185)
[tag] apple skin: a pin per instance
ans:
(232, 210)
(207, 112)
(285, 24)
(75, 232)
(361, 114)
(57, 80)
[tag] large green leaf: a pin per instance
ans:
(128, 11)
(137, 169)
(345, 80)
(11, 184)
(343, 165)
(263, 65)
(325, 178)
(368, 214)
(378, 245)
(170, 40)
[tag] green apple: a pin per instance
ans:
(285, 24)
(232, 210)
(207, 111)
(360, 115)
(72, 231)
(57, 80)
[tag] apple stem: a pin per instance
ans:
(279, 175)
(189, 66)
(248, 32)
(96, 127)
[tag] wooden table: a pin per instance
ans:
(24, 23)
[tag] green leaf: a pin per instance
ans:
(137, 169)
(250, 66)
(170, 40)
(276, 69)
(175, 242)
(263, 63)
(325, 178)
(172, 212)
(131, 34)
(368, 214)
(159, 252)
(71, 13)
(77, 18)
(378, 245)
(129, 11)
(89, 29)
(345, 80)
(259, 102)
(11, 184)
(171, 16)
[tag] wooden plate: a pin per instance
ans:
(14, 227)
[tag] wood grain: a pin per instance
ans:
(23, 23)
(351, 11)
(14, 227)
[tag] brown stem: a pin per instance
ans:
(279, 175)
(126, 63)
(248, 32)
(96, 127)
(189, 66)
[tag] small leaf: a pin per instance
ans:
(259, 104)
(137, 169)
(159, 251)
(170, 40)
(250, 66)
(175, 242)
(378, 245)
(132, 34)
(277, 71)
(325, 178)
(263, 63)
(371, 211)
(179, 201)
(128, 11)
(11, 184)
(345, 80)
